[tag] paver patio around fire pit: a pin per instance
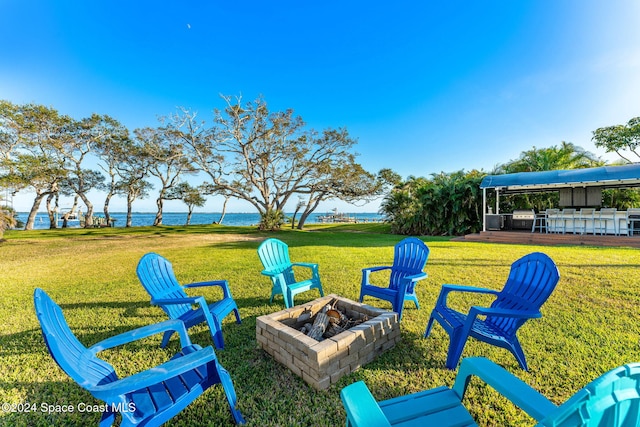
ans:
(322, 363)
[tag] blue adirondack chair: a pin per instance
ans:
(156, 275)
(531, 280)
(148, 398)
(274, 255)
(612, 400)
(410, 257)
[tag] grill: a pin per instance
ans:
(522, 219)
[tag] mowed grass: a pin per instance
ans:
(589, 325)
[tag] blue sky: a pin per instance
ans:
(425, 87)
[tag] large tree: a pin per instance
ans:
(32, 131)
(113, 148)
(190, 196)
(624, 140)
(77, 143)
(343, 179)
(163, 153)
(267, 158)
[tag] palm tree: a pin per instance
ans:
(566, 156)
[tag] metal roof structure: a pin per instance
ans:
(529, 182)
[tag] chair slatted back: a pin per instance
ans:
(157, 277)
(69, 353)
(610, 400)
(531, 281)
(409, 258)
(274, 255)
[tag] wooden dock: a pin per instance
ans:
(529, 238)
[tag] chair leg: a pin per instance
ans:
(229, 391)
(165, 338)
(218, 339)
(288, 299)
(237, 314)
(516, 349)
(321, 291)
(413, 298)
(456, 345)
(429, 326)
(215, 328)
(108, 418)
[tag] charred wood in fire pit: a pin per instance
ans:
(330, 321)
(319, 326)
(305, 315)
(333, 330)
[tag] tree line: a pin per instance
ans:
(451, 204)
(247, 152)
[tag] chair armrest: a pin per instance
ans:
(502, 312)
(361, 407)
(463, 288)
(366, 272)
(416, 277)
(270, 273)
(170, 301)
(223, 284)
(505, 383)
(447, 288)
(310, 265)
(378, 268)
(155, 375)
(143, 332)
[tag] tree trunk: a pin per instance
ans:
(224, 209)
(130, 199)
(189, 215)
(158, 220)
(105, 209)
(293, 220)
(312, 204)
(53, 224)
(88, 218)
(72, 211)
(31, 219)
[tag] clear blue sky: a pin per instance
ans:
(425, 86)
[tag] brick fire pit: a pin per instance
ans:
(322, 363)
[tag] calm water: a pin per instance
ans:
(180, 218)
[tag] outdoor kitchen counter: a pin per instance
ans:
(617, 223)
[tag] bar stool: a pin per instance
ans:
(568, 214)
(586, 214)
(633, 221)
(623, 220)
(540, 221)
(552, 220)
(605, 216)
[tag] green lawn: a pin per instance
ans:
(590, 324)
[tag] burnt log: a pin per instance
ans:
(319, 326)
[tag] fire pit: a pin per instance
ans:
(322, 363)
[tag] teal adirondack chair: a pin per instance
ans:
(156, 275)
(612, 400)
(148, 398)
(410, 257)
(274, 255)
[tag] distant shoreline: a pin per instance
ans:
(142, 219)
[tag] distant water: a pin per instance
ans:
(140, 219)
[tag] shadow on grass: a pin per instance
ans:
(130, 307)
